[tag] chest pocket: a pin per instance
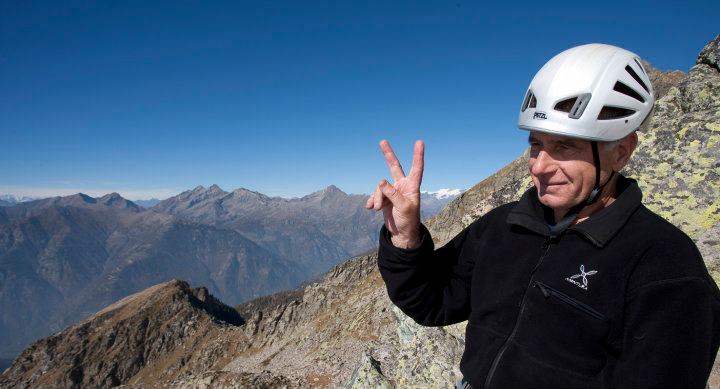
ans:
(562, 331)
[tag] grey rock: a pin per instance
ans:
(368, 375)
(710, 55)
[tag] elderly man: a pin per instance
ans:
(577, 284)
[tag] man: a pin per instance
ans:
(576, 285)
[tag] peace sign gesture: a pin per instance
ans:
(400, 202)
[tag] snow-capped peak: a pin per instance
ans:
(14, 199)
(445, 193)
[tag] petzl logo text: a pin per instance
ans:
(539, 115)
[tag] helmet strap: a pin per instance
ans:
(595, 194)
(572, 214)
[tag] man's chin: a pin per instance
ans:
(553, 201)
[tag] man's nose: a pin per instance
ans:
(543, 163)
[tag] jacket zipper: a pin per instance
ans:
(548, 291)
(500, 353)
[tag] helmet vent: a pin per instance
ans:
(574, 106)
(565, 105)
(530, 101)
(626, 90)
(609, 113)
(640, 66)
(637, 78)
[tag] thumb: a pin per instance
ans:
(391, 193)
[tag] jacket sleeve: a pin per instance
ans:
(431, 286)
(670, 337)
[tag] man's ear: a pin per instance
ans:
(624, 150)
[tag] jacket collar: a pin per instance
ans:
(599, 228)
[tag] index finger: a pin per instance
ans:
(395, 169)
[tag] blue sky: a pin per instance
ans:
(152, 98)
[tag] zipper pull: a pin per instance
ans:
(542, 288)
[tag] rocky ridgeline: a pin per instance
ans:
(678, 159)
(342, 330)
(123, 340)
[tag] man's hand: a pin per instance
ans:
(400, 202)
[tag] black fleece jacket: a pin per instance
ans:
(621, 300)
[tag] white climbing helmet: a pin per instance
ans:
(596, 92)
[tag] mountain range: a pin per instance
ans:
(63, 258)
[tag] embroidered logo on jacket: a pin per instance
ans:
(583, 274)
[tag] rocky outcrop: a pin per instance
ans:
(677, 162)
(127, 340)
(710, 55)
